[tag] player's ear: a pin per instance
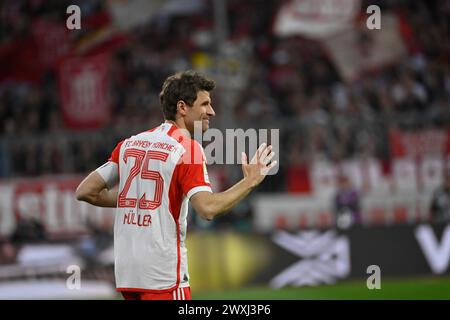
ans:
(182, 107)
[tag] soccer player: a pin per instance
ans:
(159, 172)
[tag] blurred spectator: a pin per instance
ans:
(96, 241)
(346, 204)
(440, 202)
(297, 171)
(29, 231)
(7, 252)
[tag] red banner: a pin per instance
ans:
(420, 143)
(51, 201)
(53, 41)
(84, 91)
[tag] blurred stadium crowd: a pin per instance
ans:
(287, 83)
(289, 80)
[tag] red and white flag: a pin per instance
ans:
(315, 19)
(127, 14)
(359, 50)
(84, 91)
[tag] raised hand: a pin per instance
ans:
(259, 166)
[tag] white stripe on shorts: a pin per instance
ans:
(174, 294)
(182, 294)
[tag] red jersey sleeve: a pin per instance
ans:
(115, 154)
(192, 171)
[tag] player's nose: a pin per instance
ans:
(210, 111)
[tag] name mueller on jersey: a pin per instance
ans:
(132, 217)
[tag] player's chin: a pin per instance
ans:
(205, 125)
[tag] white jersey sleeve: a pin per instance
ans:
(110, 170)
(110, 173)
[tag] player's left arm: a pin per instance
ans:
(209, 205)
(98, 187)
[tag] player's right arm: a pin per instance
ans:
(94, 190)
(98, 187)
(209, 205)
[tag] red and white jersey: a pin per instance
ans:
(159, 171)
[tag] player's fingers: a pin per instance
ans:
(267, 159)
(243, 158)
(265, 152)
(262, 148)
(255, 158)
(265, 170)
(271, 165)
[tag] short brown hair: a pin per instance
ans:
(182, 86)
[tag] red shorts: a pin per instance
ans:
(177, 294)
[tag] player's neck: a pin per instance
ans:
(176, 123)
(180, 125)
